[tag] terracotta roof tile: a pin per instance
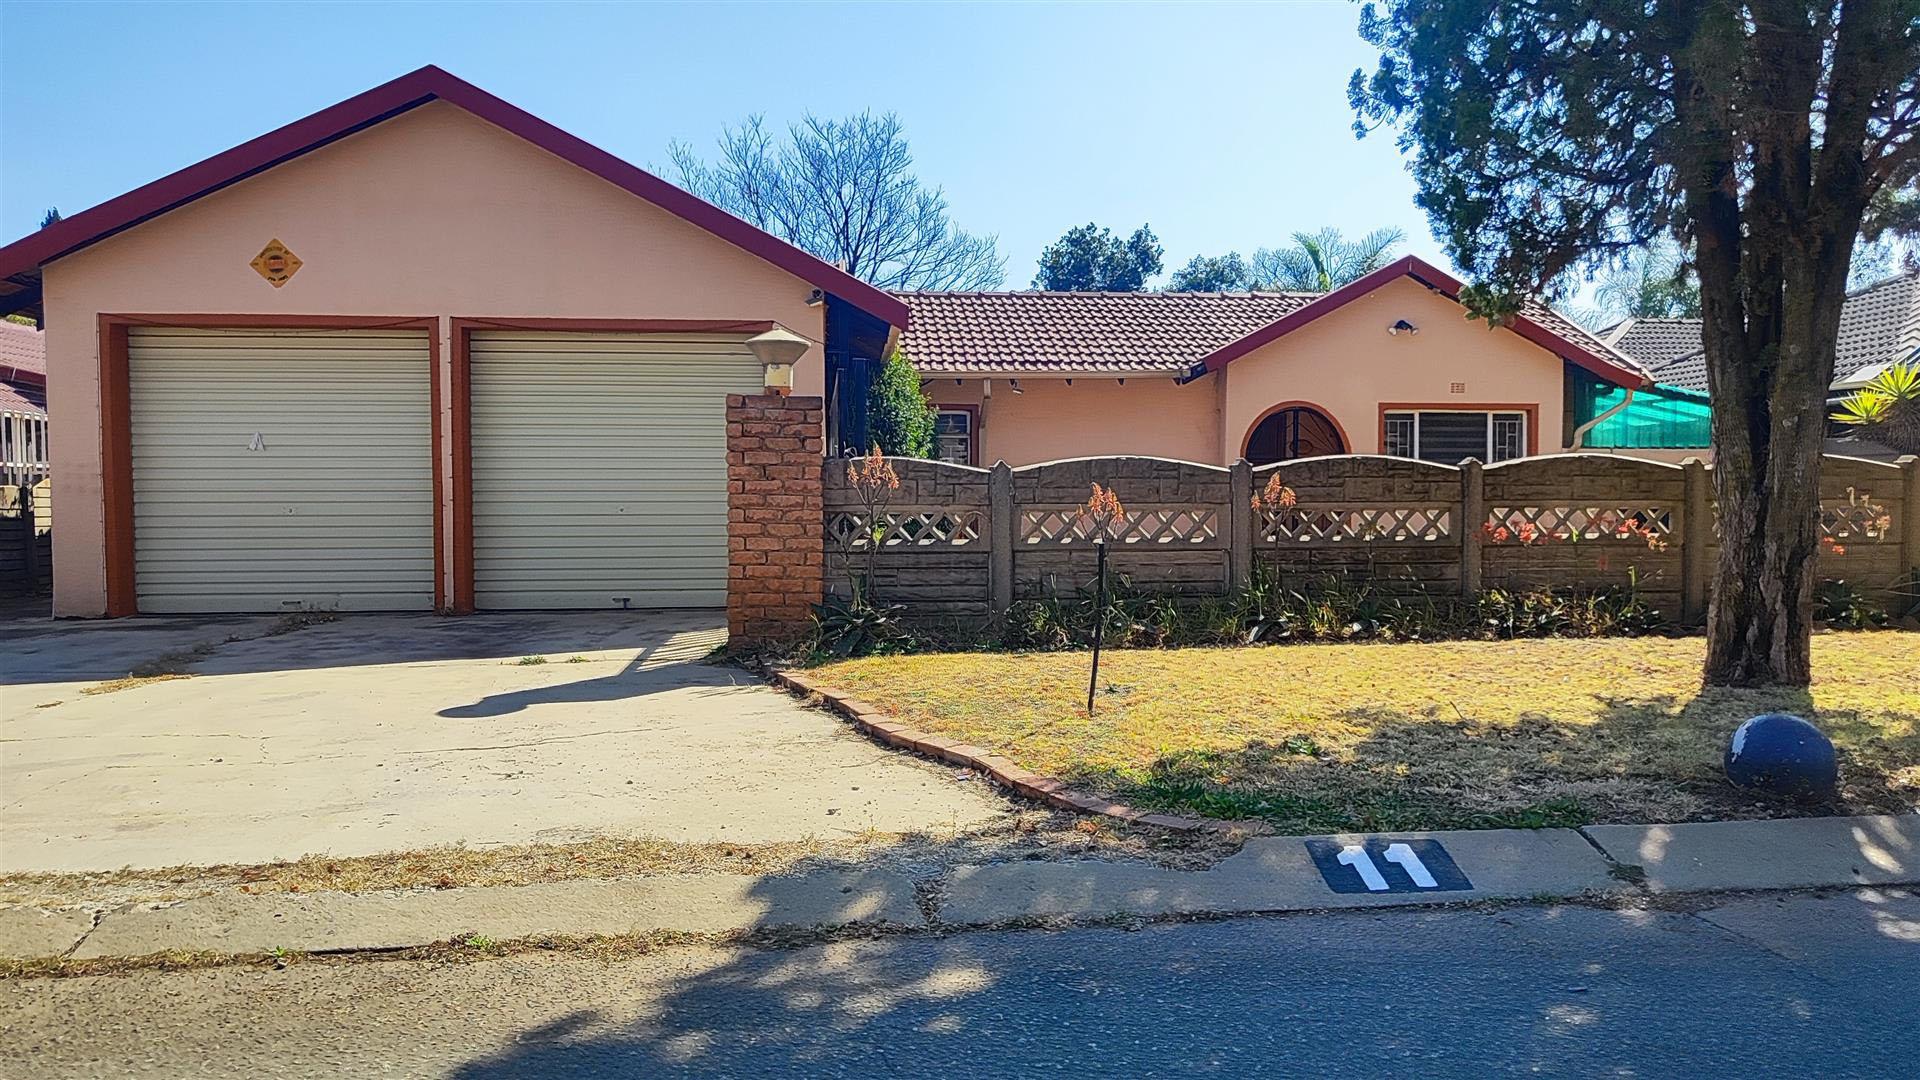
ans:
(23, 399)
(1111, 332)
(1072, 331)
(23, 369)
(23, 347)
(1576, 334)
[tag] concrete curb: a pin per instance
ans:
(1001, 770)
(358, 922)
(32, 932)
(1786, 853)
(1271, 874)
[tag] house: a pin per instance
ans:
(1388, 364)
(420, 350)
(23, 405)
(1879, 326)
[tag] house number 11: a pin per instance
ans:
(1399, 854)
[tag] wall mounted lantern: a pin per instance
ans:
(779, 349)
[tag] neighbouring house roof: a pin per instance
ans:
(21, 260)
(23, 369)
(1160, 333)
(1653, 341)
(1879, 324)
(986, 333)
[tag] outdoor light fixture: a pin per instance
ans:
(1403, 327)
(816, 298)
(779, 348)
(1014, 385)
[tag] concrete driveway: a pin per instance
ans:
(387, 733)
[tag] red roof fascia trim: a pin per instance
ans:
(1292, 321)
(1441, 282)
(383, 102)
(227, 167)
(9, 373)
(674, 200)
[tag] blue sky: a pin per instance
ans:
(1225, 126)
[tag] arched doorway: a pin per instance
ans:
(1293, 431)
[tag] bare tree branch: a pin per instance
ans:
(845, 191)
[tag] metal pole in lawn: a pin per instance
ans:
(1099, 615)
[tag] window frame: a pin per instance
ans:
(1529, 425)
(972, 413)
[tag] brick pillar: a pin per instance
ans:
(776, 530)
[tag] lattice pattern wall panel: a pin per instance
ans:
(940, 527)
(1859, 521)
(1568, 523)
(1191, 526)
(1330, 525)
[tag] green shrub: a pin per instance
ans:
(899, 417)
(1845, 605)
(1336, 608)
(843, 628)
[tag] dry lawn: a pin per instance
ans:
(1318, 738)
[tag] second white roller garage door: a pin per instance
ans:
(600, 467)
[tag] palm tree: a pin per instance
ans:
(1655, 282)
(1324, 261)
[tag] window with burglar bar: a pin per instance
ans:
(23, 448)
(1450, 436)
(953, 436)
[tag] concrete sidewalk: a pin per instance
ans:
(1271, 874)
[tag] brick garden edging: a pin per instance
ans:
(1001, 770)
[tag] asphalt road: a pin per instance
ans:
(1775, 986)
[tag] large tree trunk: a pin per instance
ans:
(1774, 221)
(1761, 615)
(1768, 434)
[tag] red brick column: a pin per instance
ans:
(776, 532)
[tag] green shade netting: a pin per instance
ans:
(1659, 418)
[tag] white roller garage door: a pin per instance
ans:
(600, 467)
(281, 470)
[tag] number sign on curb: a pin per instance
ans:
(1381, 864)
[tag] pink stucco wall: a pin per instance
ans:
(432, 213)
(1347, 364)
(1051, 419)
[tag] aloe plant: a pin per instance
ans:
(1887, 408)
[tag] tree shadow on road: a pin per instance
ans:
(1463, 992)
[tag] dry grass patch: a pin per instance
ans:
(131, 682)
(177, 665)
(1320, 738)
(1023, 835)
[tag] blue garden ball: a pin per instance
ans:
(1783, 755)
